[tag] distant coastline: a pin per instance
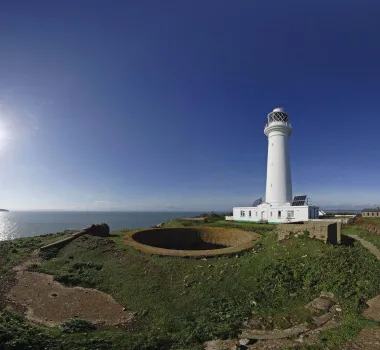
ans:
(4, 210)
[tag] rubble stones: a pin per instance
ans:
(320, 304)
(320, 320)
(327, 295)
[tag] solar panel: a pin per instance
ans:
(299, 200)
(257, 202)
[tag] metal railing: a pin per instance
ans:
(278, 123)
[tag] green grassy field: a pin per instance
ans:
(180, 303)
(369, 218)
(357, 229)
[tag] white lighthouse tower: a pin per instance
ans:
(279, 181)
(279, 205)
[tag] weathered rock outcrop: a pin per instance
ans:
(273, 334)
(325, 314)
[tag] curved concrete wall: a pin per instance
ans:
(191, 242)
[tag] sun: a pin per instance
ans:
(4, 136)
(3, 133)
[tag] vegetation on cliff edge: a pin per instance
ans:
(180, 303)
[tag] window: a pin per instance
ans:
(271, 214)
(242, 213)
(372, 214)
(290, 214)
(279, 214)
(256, 213)
(250, 214)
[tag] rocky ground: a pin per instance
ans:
(325, 315)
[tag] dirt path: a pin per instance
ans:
(373, 311)
(368, 245)
(368, 339)
(45, 301)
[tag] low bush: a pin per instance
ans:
(78, 326)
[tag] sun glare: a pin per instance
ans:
(4, 136)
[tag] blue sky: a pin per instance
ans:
(160, 105)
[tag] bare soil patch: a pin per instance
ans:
(373, 310)
(45, 301)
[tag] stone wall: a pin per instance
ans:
(326, 231)
(371, 226)
(99, 230)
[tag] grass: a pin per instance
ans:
(17, 250)
(180, 303)
(362, 232)
(369, 218)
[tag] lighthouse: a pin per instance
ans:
(279, 181)
(279, 205)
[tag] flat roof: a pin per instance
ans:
(280, 206)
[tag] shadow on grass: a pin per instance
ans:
(347, 241)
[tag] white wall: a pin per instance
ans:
(301, 213)
(279, 182)
(255, 214)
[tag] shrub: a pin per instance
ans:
(15, 333)
(78, 326)
(49, 253)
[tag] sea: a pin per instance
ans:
(16, 224)
(34, 223)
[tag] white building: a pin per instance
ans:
(279, 205)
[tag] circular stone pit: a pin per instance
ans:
(191, 242)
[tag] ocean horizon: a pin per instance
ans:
(17, 224)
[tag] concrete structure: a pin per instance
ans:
(279, 206)
(195, 242)
(371, 212)
(327, 231)
(99, 230)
